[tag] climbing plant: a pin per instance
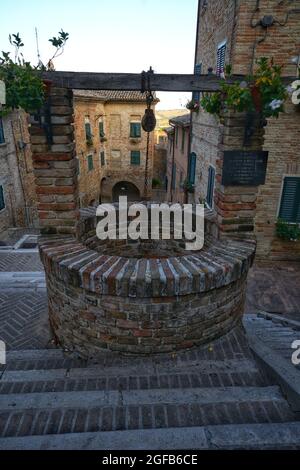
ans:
(24, 86)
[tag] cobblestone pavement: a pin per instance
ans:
(274, 287)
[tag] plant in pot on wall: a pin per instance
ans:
(24, 86)
(287, 231)
(188, 187)
(263, 92)
(193, 106)
(156, 183)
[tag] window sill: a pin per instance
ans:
(3, 144)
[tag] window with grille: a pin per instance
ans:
(2, 140)
(135, 129)
(221, 58)
(90, 162)
(135, 157)
(210, 186)
(289, 210)
(2, 201)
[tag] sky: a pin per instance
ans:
(108, 35)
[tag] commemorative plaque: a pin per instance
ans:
(244, 168)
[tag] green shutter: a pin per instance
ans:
(210, 186)
(192, 168)
(90, 162)
(2, 139)
(135, 129)
(183, 139)
(101, 129)
(2, 202)
(88, 131)
(135, 158)
(102, 155)
(290, 200)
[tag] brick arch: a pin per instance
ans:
(108, 183)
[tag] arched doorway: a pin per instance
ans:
(124, 188)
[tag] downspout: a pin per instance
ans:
(173, 160)
(191, 114)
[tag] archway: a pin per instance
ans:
(124, 188)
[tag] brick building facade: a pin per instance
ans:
(110, 145)
(232, 32)
(18, 206)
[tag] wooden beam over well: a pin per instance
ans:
(132, 81)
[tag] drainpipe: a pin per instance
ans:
(173, 161)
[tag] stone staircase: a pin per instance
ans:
(210, 398)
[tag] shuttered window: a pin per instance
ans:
(101, 129)
(210, 186)
(135, 129)
(182, 139)
(2, 202)
(290, 200)
(135, 157)
(2, 140)
(88, 131)
(102, 158)
(192, 168)
(90, 162)
(221, 58)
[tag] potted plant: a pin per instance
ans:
(188, 187)
(156, 183)
(264, 92)
(287, 231)
(193, 106)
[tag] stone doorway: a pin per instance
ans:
(124, 188)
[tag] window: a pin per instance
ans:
(135, 129)
(174, 176)
(135, 157)
(192, 168)
(102, 158)
(210, 186)
(101, 129)
(2, 140)
(88, 130)
(198, 71)
(90, 162)
(221, 57)
(182, 139)
(290, 200)
(2, 202)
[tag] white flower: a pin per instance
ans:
(243, 84)
(275, 104)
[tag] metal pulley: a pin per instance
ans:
(149, 120)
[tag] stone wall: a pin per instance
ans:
(230, 21)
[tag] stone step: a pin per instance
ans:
(61, 413)
(92, 399)
(246, 437)
(51, 382)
